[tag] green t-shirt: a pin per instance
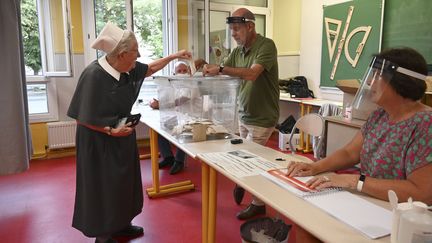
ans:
(259, 99)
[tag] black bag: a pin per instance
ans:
(297, 87)
(287, 125)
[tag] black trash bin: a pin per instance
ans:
(264, 230)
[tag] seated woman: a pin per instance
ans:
(394, 146)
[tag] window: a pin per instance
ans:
(46, 42)
(147, 18)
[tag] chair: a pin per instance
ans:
(325, 110)
(312, 124)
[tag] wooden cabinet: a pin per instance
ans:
(339, 132)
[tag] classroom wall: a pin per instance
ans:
(77, 28)
(182, 24)
(286, 35)
(286, 26)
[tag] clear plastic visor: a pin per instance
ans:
(371, 89)
(366, 97)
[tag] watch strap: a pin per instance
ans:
(361, 182)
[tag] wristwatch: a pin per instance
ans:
(221, 67)
(361, 182)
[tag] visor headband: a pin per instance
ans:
(411, 73)
(238, 20)
(386, 66)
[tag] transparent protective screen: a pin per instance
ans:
(367, 95)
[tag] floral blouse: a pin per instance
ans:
(394, 150)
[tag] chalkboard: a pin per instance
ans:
(409, 23)
(361, 38)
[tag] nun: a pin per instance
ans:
(108, 178)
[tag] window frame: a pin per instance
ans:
(51, 90)
(224, 7)
(47, 77)
(169, 26)
(45, 33)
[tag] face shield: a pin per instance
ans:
(235, 20)
(238, 20)
(379, 70)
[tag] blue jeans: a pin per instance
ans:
(165, 150)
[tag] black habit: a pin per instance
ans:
(108, 181)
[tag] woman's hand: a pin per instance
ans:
(334, 180)
(300, 169)
(210, 69)
(121, 131)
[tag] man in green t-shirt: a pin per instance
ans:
(255, 61)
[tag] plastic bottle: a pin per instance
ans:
(348, 112)
(415, 225)
(400, 209)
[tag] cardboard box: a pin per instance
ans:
(427, 99)
(284, 140)
(349, 87)
(429, 84)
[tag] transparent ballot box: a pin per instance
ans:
(197, 104)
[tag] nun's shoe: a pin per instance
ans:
(130, 231)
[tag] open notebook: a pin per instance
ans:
(368, 218)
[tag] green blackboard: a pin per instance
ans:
(408, 23)
(358, 24)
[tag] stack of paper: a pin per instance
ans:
(368, 218)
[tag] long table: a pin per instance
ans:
(309, 217)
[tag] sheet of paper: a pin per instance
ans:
(364, 216)
(192, 66)
(240, 163)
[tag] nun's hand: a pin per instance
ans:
(183, 54)
(121, 131)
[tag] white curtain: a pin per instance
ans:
(15, 142)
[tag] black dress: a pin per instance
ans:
(108, 181)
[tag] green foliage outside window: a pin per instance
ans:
(147, 18)
(148, 25)
(30, 34)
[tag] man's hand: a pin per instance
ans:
(210, 69)
(199, 63)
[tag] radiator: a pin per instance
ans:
(62, 134)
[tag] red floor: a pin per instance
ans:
(36, 206)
